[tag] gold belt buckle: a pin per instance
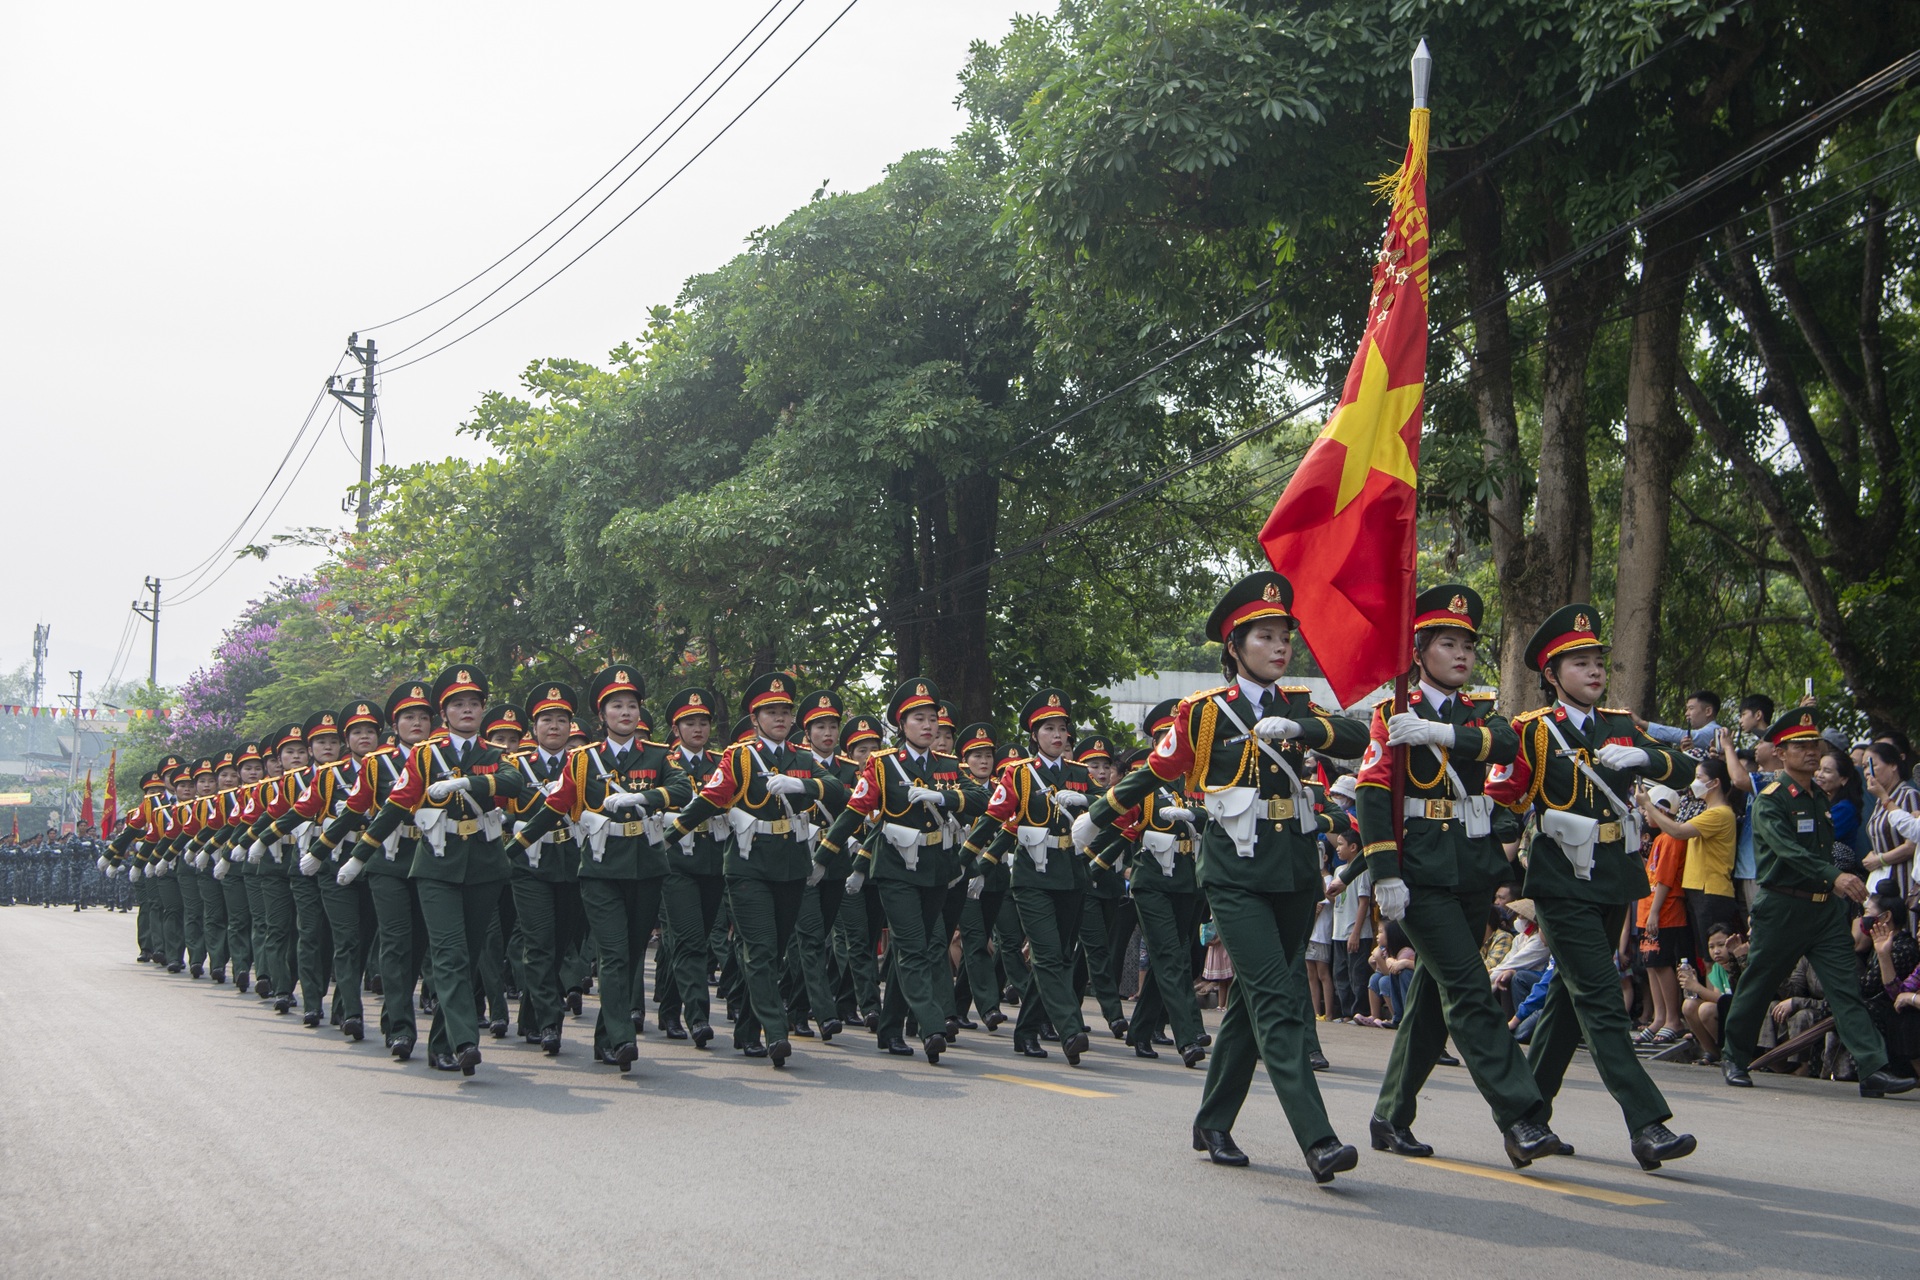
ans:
(1440, 809)
(632, 828)
(409, 831)
(779, 827)
(466, 827)
(1609, 832)
(560, 837)
(1819, 897)
(1279, 808)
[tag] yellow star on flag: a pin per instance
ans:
(1369, 426)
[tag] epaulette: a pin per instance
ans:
(649, 742)
(945, 755)
(1202, 694)
(1534, 714)
(1616, 711)
(1294, 688)
(1015, 761)
(1770, 788)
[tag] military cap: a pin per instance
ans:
(615, 679)
(1451, 604)
(1796, 725)
(1132, 758)
(152, 781)
(551, 696)
(1043, 706)
(456, 680)
(502, 715)
(1094, 748)
(320, 724)
(575, 731)
(1566, 630)
(977, 736)
(1159, 717)
(203, 767)
(911, 695)
(183, 774)
(945, 709)
(742, 729)
(228, 759)
(858, 730)
(389, 739)
(285, 734)
(1005, 752)
(692, 701)
(1265, 594)
(248, 751)
(408, 694)
(821, 704)
(170, 765)
(773, 689)
(361, 711)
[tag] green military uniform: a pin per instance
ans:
(162, 860)
(546, 883)
(614, 794)
(986, 891)
(695, 890)
(450, 793)
(1451, 863)
(186, 877)
(230, 869)
(1583, 873)
(1096, 969)
(400, 949)
(857, 926)
(273, 862)
(767, 865)
(349, 907)
(1259, 865)
(211, 814)
(810, 959)
(313, 792)
(1799, 913)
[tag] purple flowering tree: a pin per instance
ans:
(213, 700)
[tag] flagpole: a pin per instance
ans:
(1421, 67)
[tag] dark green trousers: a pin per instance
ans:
(314, 951)
(490, 970)
(977, 920)
(1167, 922)
(257, 910)
(811, 955)
(283, 930)
(350, 920)
(856, 928)
(1268, 1015)
(1784, 929)
(193, 920)
(233, 893)
(456, 917)
(692, 905)
(402, 952)
(1450, 993)
(1585, 998)
(551, 919)
(146, 922)
(213, 916)
(913, 914)
(764, 913)
(1051, 920)
(1099, 921)
(1009, 949)
(622, 915)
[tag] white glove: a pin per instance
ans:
(686, 844)
(780, 784)
(623, 800)
(1084, 830)
(533, 855)
(1275, 728)
(339, 807)
(1174, 813)
(1392, 896)
(133, 875)
(1407, 729)
(1903, 824)
(1615, 756)
(816, 875)
(200, 860)
(856, 882)
(113, 871)
(101, 862)
(309, 865)
(915, 795)
(976, 886)
(349, 871)
(220, 871)
(1069, 799)
(447, 786)
(256, 851)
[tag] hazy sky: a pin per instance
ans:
(205, 199)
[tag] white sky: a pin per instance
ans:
(204, 200)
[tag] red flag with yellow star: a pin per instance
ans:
(1343, 532)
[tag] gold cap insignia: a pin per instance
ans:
(1271, 593)
(1457, 605)
(920, 690)
(1053, 699)
(553, 693)
(1581, 622)
(693, 700)
(326, 719)
(418, 692)
(1806, 718)
(825, 701)
(621, 677)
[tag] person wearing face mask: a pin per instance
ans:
(1437, 876)
(1707, 878)
(1243, 748)
(1575, 762)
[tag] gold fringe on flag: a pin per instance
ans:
(1398, 185)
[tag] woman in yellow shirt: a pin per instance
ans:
(1711, 835)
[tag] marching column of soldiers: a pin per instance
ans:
(448, 856)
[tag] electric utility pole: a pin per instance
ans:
(73, 761)
(40, 633)
(151, 612)
(358, 395)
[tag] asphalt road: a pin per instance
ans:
(155, 1126)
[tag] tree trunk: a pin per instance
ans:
(905, 575)
(1658, 439)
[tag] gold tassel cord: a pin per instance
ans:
(1398, 185)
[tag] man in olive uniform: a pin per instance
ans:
(1439, 878)
(810, 965)
(615, 792)
(1574, 767)
(1027, 827)
(906, 793)
(1244, 747)
(1801, 911)
(450, 793)
(695, 889)
(986, 894)
(764, 791)
(400, 950)
(546, 872)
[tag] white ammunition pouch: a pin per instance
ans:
(1234, 810)
(1161, 845)
(491, 822)
(592, 831)
(907, 842)
(433, 829)
(1038, 842)
(1575, 835)
(743, 825)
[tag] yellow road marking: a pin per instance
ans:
(1544, 1184)
(1049, 1086)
